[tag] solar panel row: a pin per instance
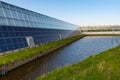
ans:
(20, 28)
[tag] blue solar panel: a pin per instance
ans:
(12, 38)
(18, 24)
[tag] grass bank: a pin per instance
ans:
(102, 34)
(17, 56)
(103, 66)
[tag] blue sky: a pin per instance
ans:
(80, 12)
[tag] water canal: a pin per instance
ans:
(70, 54)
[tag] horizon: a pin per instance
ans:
(82, 13)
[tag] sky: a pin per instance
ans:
(79, 12)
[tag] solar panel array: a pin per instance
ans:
(17, 23)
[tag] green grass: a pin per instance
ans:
(8, 58)
(103, 66)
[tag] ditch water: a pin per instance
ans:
(70, 54)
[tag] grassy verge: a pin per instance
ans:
(9, 58)
(104, 66)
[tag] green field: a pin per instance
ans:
(103, 66)
(9, 58)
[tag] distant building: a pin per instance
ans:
(21, 28)
(100, 28)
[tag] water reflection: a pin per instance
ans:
(71, 54)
